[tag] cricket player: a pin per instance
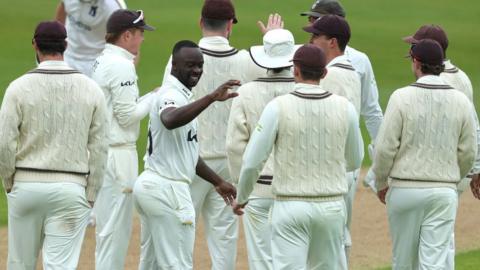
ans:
(114, 71)
(426, 145)
(222, 62)
(275, 55)
(162, 193)
(332, 33)
(52, 156)
(456, 78)
(315, 136)
(86, 23)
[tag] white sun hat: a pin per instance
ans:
(277, 50)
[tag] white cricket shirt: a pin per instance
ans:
(172, 154)
(115, 73)
(86, 25)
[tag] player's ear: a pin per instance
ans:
(325, 71)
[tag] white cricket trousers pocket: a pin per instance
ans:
(421, 224)
(167, 222)
(48, 216)
(308, 235)
(257, 227)
(221, 225)
(114, 208)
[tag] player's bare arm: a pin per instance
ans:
(176, 117)
(225, 189)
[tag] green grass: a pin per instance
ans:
(377, 28)
(464, 261)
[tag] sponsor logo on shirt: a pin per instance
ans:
(93, 11)
(191, 138)
(127, 83)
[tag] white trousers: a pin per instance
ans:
(421, 225)
(308, 235)
(349, 198)
(48, 216)
(257, 227)
(168, 223)
(221, 225)
(114, 208)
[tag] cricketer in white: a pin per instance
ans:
(313, 152)
(162, 193)
(115, 73)
(426, 145)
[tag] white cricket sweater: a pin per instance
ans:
(221, 63)
(54, 124)
(427, 138)
(456, 78)
(343, 80)
(315, 136)
(244, 115)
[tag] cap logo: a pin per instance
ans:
(315, 4)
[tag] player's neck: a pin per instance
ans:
(50, 57)
(333, 54)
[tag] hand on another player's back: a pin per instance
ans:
(222, 93)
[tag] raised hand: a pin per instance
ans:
(274, 22)
(222, 93)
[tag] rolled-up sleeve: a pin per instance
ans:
(258, 150)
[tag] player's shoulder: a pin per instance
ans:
(354, 53)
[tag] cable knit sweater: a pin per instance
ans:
(427, 138)
(315, 136)
(53, 129)
(244, 115)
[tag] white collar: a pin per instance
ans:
(343, 59)
(431, 79)
(305, 88)
(117, 50)
(53, 64)
(175, 83)
(215, 43)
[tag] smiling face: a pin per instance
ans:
(187, 66)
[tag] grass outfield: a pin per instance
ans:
(377, 27)
(464, 261)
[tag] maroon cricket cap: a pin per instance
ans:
(50, 31)
(324, 7)
(310, 57)
(124, 19)
(431, 31)
(331, 25)
(219, 10)
(428, 51)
